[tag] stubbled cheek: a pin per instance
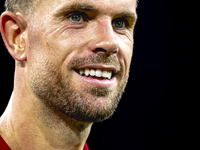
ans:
(125, 53)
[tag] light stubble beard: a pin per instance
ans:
(51, 88)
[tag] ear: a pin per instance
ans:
(13, 28)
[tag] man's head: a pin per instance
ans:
(75, 55)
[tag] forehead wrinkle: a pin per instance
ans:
(85, 6)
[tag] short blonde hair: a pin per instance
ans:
(22, 6)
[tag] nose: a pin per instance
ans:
(105, 40)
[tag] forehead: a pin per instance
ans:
(107, 6)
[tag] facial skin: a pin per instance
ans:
(77, 35)
(54, 103)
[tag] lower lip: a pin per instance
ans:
(98, 82)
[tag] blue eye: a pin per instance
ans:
(120, 23)
(76, 17)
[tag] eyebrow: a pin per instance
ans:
(129, 15)
(76, 6)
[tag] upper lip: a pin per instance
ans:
(100, 67)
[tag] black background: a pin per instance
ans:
(152, 113)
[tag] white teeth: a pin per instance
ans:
(87, 72)
(97, 73)
(109, 74)
(105, 73)
(92, 72)
(81, 72)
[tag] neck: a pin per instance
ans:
(34, 125)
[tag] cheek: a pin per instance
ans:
(43, 46)
(128, 57)
(125, 54)
(64, 41)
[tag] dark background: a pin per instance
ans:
(152, 113)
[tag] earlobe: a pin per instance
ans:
(13, 28)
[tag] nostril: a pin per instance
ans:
(99, 50)
(115, 51)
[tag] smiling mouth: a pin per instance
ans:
(96, 73)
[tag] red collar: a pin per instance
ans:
(4, 146)
(86, 147)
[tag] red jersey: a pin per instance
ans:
(4, 146)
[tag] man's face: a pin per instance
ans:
(79, 55)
